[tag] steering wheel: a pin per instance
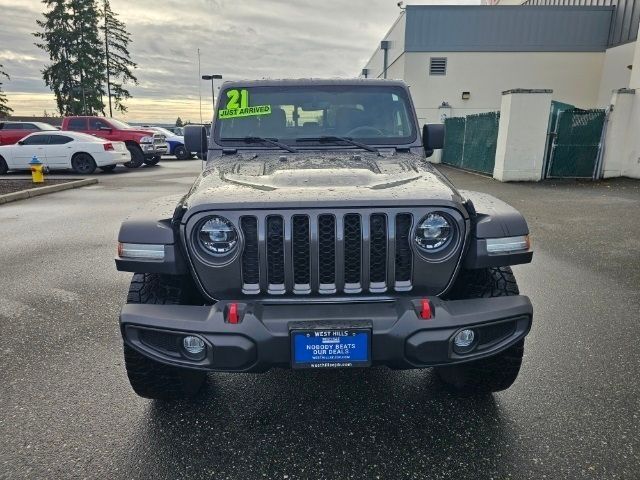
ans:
(359, 131)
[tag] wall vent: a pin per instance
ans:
(438, 66)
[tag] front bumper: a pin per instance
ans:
(400, 338)
(154, 149)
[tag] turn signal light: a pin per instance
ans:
(108, 146)
(425, 309)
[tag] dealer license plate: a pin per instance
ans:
(336, 348)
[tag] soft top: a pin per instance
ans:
(296, 82)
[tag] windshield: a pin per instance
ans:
(120, 125)
(375, 115)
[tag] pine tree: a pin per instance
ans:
(118, 59)
(5, 110)
(70, 36)
(179, 122)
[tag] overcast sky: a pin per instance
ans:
(237, 38)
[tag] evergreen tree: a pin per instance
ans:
(70, 36)
(118, 59)
(179, 122)
(5, 110)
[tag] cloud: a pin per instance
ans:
(237, 38)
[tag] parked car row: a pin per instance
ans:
(85, 143)
(79, 152)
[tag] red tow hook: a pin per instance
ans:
(425, 309)
(232, 313)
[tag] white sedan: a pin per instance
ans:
(79, 152)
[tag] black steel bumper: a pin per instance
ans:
(400, 338)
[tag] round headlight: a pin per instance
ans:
(218, 236)
(433, 232)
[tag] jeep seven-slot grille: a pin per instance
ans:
(326, 253)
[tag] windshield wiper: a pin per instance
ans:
(335, 138)
(270, 141)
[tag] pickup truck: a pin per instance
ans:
(13, 132)
(145, 146)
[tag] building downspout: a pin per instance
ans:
(384, 45)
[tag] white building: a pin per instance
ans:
(465, 56)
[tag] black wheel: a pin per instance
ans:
(108, 168)
(495, 373)
(152, 161)
(137, 157)
(3, 166)
(148, 378)
(83, 164)
(181, 153)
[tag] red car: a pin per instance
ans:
(145, 146)
(13, 132)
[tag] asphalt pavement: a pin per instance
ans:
(67, 410)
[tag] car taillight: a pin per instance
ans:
(108, 146)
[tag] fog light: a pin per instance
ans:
(464, 338)
(194, 346)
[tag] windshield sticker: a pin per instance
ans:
(238, 106)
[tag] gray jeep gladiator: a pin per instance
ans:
(319, 236)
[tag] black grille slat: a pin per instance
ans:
(378, 252)
(404, 256)
(250, 259)
(326, 253)
(352, 248)
(327, 249)
(301, 250)
(275, 250)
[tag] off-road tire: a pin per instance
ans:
(181, 153)
(137, 157)
(154, 380)
(108, 168)
(491, 374)
(148, 378)
(83, 164)
(152, 161)
(4, 168)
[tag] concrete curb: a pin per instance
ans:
(34, 192)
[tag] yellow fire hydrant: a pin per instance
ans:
(37, 170)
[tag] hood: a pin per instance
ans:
(290, 180)
(143, 132)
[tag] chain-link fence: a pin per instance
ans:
(470, 142)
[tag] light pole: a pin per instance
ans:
(212, 78)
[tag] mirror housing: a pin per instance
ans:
(195, 140)
(432, 137)
(20, 142)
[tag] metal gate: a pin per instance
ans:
(470, 142)
(574, 141)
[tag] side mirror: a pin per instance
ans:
(106, 129)
(195, 140)
(432, 137)
(20, 142)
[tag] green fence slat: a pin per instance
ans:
(470, 142)
(453, 141)
(481, 137)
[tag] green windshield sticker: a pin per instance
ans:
(238, 106)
